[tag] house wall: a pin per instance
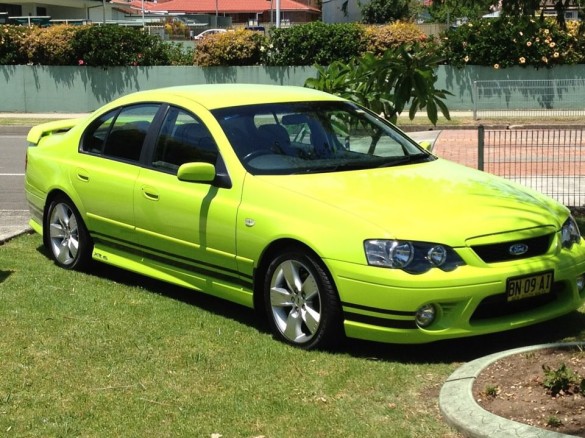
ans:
(95, 13)
(333, 13)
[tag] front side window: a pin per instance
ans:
(307, 137)
(183, 139)
(120, 133)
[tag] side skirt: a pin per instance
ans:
(185, 276)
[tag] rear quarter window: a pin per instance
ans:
(120, 133)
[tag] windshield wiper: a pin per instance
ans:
(408, 159)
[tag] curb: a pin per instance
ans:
(461, 411)
(5, 238)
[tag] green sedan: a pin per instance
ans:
(319, 214)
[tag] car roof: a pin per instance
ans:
(213, 96)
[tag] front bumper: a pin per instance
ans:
(379, 304)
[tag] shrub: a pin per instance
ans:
(378, 39)
(112, 45)
(176, 28)
(386, 84)
(562, 380)
(178, 54)
(240, 47)
(50, 45)
(576, 34)
(314, 43)
(12, 48)
(510, 41)
(384, 11)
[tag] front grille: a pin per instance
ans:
(496, 306)
(500, 252)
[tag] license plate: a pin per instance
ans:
(518, 288)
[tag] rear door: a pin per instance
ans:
(106, 171)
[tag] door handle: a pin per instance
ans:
(149, 193)
(82, 175)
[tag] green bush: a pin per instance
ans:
(50, 45)
(509, 41)
(112, 45)
(240, 47)
(503, 42)
(314, 43)
(12, 45)
(378, 39)
(384, 11)
(387, 84)
(178, 54)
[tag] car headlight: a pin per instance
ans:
(412, 257)
(570, 233)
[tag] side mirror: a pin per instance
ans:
(196, 172)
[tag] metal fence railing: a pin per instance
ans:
(528, 98)
(551, 161)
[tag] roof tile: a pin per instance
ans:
(223, 6)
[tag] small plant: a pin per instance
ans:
(553, 421)
(491, 391)
(562, 379)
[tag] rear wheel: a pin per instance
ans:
(66, 236)
(301, 302)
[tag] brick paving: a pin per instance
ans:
(549, 160)
(458, 145)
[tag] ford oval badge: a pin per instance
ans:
(518, 249)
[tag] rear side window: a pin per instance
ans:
(120, 133)
(183, 139)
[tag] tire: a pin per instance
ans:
(301, 303)
(66, 236)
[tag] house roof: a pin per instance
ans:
(211, 6)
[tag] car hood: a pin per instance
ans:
(427, 201)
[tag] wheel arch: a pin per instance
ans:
(72, 245)
(268, 254)
(52, 195)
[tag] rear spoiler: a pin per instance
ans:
(50, 128)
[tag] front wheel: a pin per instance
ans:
(301, 302)
(66, 236)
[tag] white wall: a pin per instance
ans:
(332, 12)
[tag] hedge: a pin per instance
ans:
(500, 43)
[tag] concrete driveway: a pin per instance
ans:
(14, 213)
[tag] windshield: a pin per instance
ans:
(312, 137)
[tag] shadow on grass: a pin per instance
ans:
(192, 297)
(571, 326)
(4, 275)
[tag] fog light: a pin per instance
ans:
(581, 283)
(425, 315)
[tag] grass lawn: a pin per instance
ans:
(107, 353)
